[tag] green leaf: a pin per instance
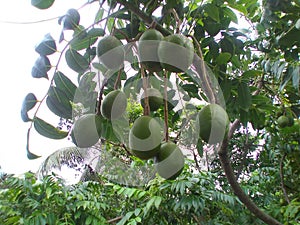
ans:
(47, 46)
(42, 4)
(62, 82)
(296, 77)
(239, 8)
(229, 13)
(81, 41)
(99, 15)
(47, 130)
(41, 67)
(297, 25)
(244, 96)
(76, 61)
(223, 58)
(212, 11)
(30, 155)
(59, 103)
(28, 103)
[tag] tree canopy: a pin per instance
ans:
(225, 101)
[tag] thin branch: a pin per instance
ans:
(115, 219)
(203, 73)
(282, 179)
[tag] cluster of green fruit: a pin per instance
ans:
(285, 121)
(87, 129)
(174, 53)
(145, 142)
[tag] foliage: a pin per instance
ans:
(254, 73)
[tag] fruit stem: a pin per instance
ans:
(145, 86)
(166, 106)
(117, 82)
(98, 111)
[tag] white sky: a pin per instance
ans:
(17, 42)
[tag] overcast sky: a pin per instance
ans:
(17, 42)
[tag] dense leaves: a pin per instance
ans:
(252, 70)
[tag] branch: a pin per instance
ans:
(115, 219)
(143, 16)
(238, 191)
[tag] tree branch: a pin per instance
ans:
(238, 191)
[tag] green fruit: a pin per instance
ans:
(85, 130)
(114, 105)
(170, 161)
(291, 121)
(145, 137)
(155, 99)
(176, 53)
(111, 52)
(283, 121)
(148, 46)
(212, 122)
(42, 4)
(71, 19)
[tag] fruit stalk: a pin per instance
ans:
(166, 105)
(145, 87)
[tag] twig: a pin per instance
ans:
(178, 21)
(115, 219)
(203, 73)
(282, 179)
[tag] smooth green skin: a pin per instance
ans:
(148, 50)
(114, 105)
(170, 161)
(85, 130)
(155, 99)
(291, 121)
(42, 4)
(110, 52)
(145, 137)
(283, 121)
(212, 122)
(184, 58)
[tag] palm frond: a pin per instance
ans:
(71, 157)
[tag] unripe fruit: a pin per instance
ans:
(155, 99)
(283, 121)
(114, 105)
(148, 46)
(85, 130)
(212, 122)
(111, 53)
(176, 53)
(145, 137)
(170, 161)
(291, 121)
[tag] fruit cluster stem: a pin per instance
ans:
(145, 87)
(166, 106)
